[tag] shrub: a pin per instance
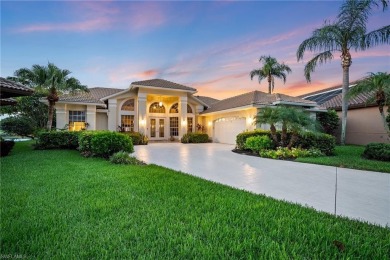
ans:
(307, 140)
(6, 147)
(122, 157)
(285, 153)
(329, 121)
(104, 143)
(258, 143)
(323, 142)
(195, 138)
(377, 151)
(241, 138)
(57, 140)
(135, 137)
(18, 125)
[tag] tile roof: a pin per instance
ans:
(161, 83)
(323, 95)
(356, 102)
(254, 98)
(207, 100)
(11, 89)
(93, 96)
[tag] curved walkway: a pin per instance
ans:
(361, 195)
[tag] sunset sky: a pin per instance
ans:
(211, 46)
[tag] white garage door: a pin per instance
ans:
(226, 129)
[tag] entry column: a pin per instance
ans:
(142, 113)
(183, 115)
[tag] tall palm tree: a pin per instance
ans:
(378, 86)
(51, 81)
(348, 32)
(271, 69)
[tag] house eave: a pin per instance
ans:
(132, 86)
(294, 104)
(204, 113)
(79, 103)
(116, 94)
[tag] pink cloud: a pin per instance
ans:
(89, 25)
(135, 16)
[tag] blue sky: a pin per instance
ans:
(211, 46)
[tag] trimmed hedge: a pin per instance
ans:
(104, 143)
(323, 142)
(195, 138)
(258, 143)
(57, 140)
(6, 147)
(377, 151)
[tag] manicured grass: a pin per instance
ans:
(349, 156)
(57, 204)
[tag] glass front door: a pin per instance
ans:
(157, 128)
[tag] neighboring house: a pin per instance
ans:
(161, 109)
(9, 89)
(364, 123)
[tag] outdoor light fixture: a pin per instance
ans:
(160, 103)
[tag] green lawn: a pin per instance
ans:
(57, 204)
(349, 156)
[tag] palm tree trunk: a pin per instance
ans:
(283, 136)
(344, 106)
(273, 134)
(50, 115)
(269, 84)
(293, 140)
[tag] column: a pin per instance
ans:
(183, 115)
(61, 116)
(142, 109)
(91, 117)
(112, 115)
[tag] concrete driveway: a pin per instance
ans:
(361, 195)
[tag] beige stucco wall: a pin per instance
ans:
(101, 121)
(208, 121)
(62, 113)
(364, 125)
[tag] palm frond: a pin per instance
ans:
(318, 59)
(327, 38)
(374, 38)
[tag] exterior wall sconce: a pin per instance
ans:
(209, 123)
(142, 122)
(184, 122)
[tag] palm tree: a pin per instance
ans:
(349, 31)
(297, 121)
(51, 81)
(378, 86)
(269, 115)
(271, 69)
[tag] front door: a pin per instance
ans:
(157, 128)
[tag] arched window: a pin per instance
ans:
(156, 108)
(174, 108)
(128, 105)
(189, 109)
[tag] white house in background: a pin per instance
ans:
(161, 109)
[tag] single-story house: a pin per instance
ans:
(10, 89)
(364, 123)
(160, 109)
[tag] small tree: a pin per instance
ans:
(329, 121)
(18, 125)
(269, 115)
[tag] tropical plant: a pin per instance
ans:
(30, 107)
(329, 121)
(296, 121)
(377, 85)
(18, 125)
(51, 81)
(271, 69)
(348, 32)
(269, 115)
